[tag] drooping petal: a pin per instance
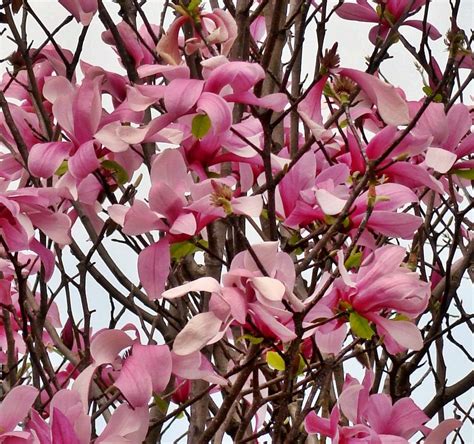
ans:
(55, 225)
(404, 333)
(440, 160)
(107, 344)
(391, 106)
(84, 161)
(208, 284)
(394, 224)
(153, 268)
(197, 333)
(329, 203)
(126, 425)
(271, 289)
(218, 111)
(247, 205)
(45, 158)
(277, 328)
(360, 12)
(147, 370)
(441, 432)
(62, 431)
(15, 406)
(181, 95)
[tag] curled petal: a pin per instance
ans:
(200, 331)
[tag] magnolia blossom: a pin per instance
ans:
(385, 14)
(252, 290)
(382, 288)
(374, 419)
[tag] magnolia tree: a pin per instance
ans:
(275, 242)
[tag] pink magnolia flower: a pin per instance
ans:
(13, 409)
(450, 136)
(217, 27)
(381, 288)
(386, 14)
(69, 421)
(140, 49)
(180, 208)
(304, 197)
(374, 418)
(142, 360)
(246, 292)
(82, 10)
(401, 166)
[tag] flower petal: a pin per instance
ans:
(153, 268)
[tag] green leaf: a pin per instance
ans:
(464, 174)
(360, 326)
(182, 249)
(161, 403)
(354, 260)
(275, 361)
(193, 4)
(301, 366)
(200, 126)
(401, 317)
(427, 90)
(120, 174)
(62, 168)
(252, 339)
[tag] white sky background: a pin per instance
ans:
(353, 48)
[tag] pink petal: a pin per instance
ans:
(217, 110)
(275, 102)
(170, 168)
(15, 406)
(170, 72)
(241, 76)
(360, 13)
(329, 203)
(266, 253)
(118, 212)
(87, 109)
(394, 224)
(247, 205)
(269, 288)
(331, 341)
(202, 284)
(441, 432)
(184, 224)
(432, 32)
(195, 366)
(126, 425)
(107, 344)
(46, 257)
(167, 48)
(138, 377)
(45, 158)
(310, 106)
(55, 225)
(84, 161)
(62, 431)
(404, 333)
(197, 333)
(138, 219)
(153, 268)
(278, 329)
(440, 160)
(391, 106)
(406, 419)
(109, 136)
(181, 95)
